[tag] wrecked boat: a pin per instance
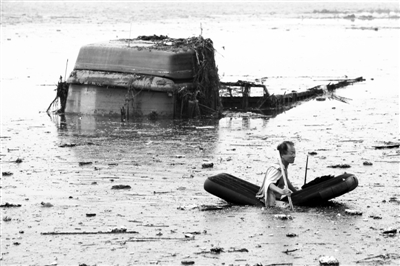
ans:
(241, 192)
(154, 76)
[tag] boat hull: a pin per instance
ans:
(240, 192)
(124, 57)
(100, 100)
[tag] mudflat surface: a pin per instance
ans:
(62, 172)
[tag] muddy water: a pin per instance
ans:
(162, 160)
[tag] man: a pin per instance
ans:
(273, 185)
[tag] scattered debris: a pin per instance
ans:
(390, 232)
(283, 217)
(46, 204)
(289, 251)
(113, 231)
(375, 217)
(216, 250)
(340, 166)
(386, 147)
(67, 145)
(328, 260)
(207, 165)
(380, 259)
(9, 205)
(187, 262)
(84, 163)
(6, 173)
(367, 163)
(352, 212)
(121, 187)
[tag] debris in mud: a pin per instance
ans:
(386, 147)
(187, 262)
(216, 250)
(375, 217)
(380, 259)
(6, 173)
(114, 231)
(67, 145)
(85, 163)
(9, 205)
(122, 229)
(328, 260)
(121, 187)
(46, 204)
(283, 216)
(352, 212)
(390, 232)
(367, 163)
(207, 165)
(287, 251)
(340, 166)
(212, 207)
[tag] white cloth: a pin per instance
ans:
(272, 176)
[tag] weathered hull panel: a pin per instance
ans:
(118, 56)
(100, 100)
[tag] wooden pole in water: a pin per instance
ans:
(305, 176)
(65, 75)
(284, 179)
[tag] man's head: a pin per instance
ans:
(287, 151)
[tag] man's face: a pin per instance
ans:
(290, 155)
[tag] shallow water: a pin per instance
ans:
(161, 160)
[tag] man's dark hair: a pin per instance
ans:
(284, 146)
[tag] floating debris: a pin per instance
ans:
(283, 217)
(6, 173)
(187, 262)
(352, 212)
(9, 205)
(340, 166)
(84, 163)
(207, 165)
(121, 187)
(46, 204)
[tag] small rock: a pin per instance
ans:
(328, 260)
(352, 212)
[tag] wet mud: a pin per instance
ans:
(86, 190)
